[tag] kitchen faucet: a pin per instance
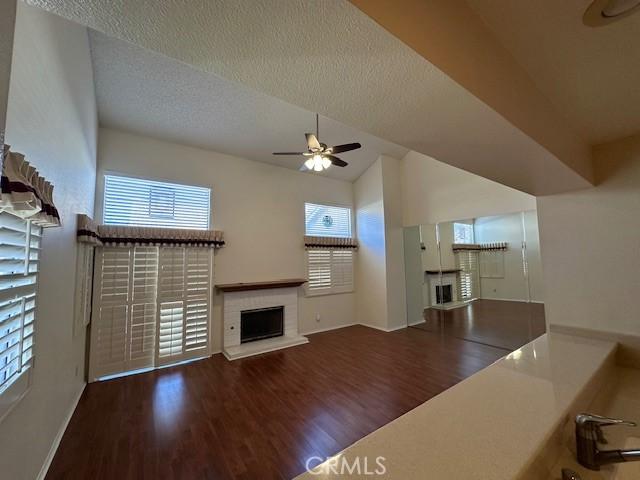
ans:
(589, 434)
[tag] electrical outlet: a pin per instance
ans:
(317, 317)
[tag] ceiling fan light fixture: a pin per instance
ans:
(317, 163)
(319, 156)
(309, 163)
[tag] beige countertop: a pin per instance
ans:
(490, 426)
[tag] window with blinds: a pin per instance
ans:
(327, 221)
(149, 203)
(19, 265)
(469, 278)
(329, 270)
(151, 308)
(462, 233)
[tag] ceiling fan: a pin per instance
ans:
(321, 157)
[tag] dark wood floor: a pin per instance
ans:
(260, 417)
(498, 323)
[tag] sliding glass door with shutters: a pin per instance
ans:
(151, 307)
(184, 295)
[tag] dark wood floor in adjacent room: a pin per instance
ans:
(260, 417)
(499, 323)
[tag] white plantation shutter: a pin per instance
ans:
(469, 278)
(492, 264)
(151, 307)
(19, 264)
(84, 285)
(123, 330)
(184, 303)
(329, 271)
(319, 271)
(342, 270)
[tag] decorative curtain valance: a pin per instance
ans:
(24, 193)
(89, 232)
(329, 242)
(480, 246)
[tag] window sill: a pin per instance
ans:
(14, 394)
(325, 294)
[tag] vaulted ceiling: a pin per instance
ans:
(148, 93)
(333, 58)
(590, 74)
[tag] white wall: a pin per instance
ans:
(534, 257)
(52, 119)
(380, 298)
(430, 259)
(371, 267)
(7, 24)
(590, 243)
(436, 192)
(414, 274)
(260, 208)
(504, 228)
(394, 244)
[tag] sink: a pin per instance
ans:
(620, 398)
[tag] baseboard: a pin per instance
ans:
(384, 329)
(519, 300)
(320, 330)
(59, 435)
(417, 323)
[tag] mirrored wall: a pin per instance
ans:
(477, 279)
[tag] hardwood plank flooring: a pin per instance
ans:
(499, 323)
(263, 416)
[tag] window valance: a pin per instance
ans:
(25, 193)
(480, 246)
(311, 242)
(89, 232)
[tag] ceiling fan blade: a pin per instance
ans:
(347, 147)
(338, 162)
(289, 153)
(313, 142)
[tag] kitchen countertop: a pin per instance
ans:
(489, 426)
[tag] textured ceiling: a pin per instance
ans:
(328, 56)
(147, 93)
(590, 74)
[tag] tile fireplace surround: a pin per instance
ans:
(250, 296)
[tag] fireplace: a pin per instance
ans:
(245, 333)
(443, 289)
(444, 294)
(261, 323)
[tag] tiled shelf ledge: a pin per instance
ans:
(495, 424)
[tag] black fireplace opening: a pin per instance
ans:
(261, 323)
(444, 294)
